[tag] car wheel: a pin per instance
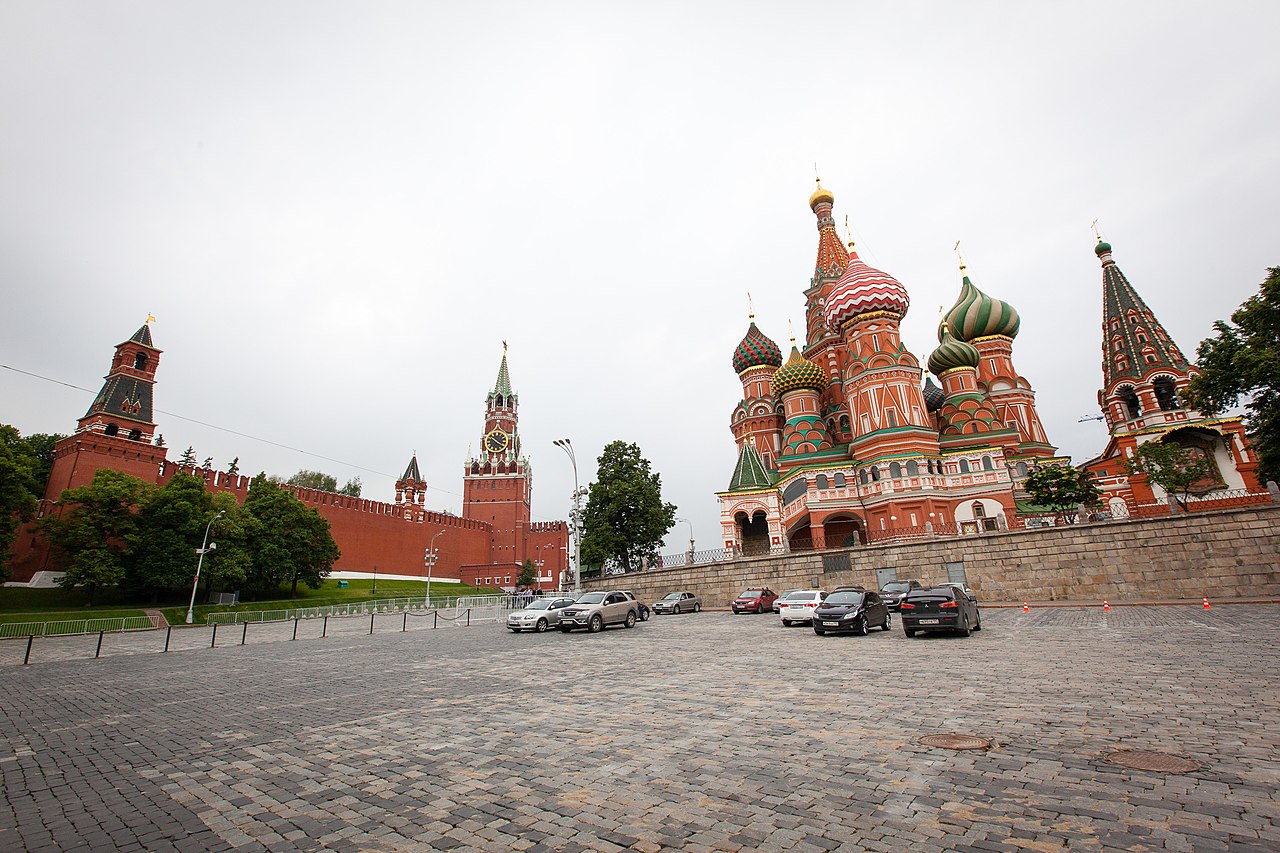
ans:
(644, 615)
(963, 631)
(697, 607)
(631, 619)
(596, 625)
(888, 621)
(541, 626)
(676, 610)
(819, 632)
(862, 626)
(909, 632)
(978, 627)
(786, 623)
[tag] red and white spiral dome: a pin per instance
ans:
(862, 289)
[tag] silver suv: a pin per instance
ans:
(595, 610)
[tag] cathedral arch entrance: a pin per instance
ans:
(753, 532)
(843, 530)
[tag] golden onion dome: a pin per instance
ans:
(820, 195)
(799, 372)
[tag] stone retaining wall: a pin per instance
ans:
(1227, 554)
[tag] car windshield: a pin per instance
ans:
(802, 596)
(751, 593)
(538, 605)
(896, 587)
(672, 596)
(844, 598)
(592, 598)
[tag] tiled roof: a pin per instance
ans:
(411, 473)
(1124, 316)
(749, 472)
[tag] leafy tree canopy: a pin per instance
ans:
(528, 577)
(41, 445)
(286, 540)
(171, 525)
(20, 488)
(1062, 489)
(1171, 467)
(96, 529)
(625, 518)
(1243, 360)
(323, 482)
(188, 457)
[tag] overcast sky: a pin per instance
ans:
(338, 211)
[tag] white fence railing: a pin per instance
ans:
(482, 607)
(76, 626)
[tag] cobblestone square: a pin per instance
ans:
(695, 732)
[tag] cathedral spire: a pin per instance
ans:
(503, 385)
(832, 258)
(1134, 341)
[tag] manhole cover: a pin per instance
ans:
(1159, 762)
(951, 741)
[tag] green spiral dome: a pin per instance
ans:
(799, 372)
(951, 354)
(976, 315)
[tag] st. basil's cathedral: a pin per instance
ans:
(843, 444)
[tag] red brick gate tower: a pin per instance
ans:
(496, 487)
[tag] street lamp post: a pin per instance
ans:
(575, 517)
(204, 548)
(430, 559)
(690, 523)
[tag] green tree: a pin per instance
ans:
(318, 480)
(170, 528)
(285, 540)
(1243, 360)
(41, 445)
(625, 519)
(95, 529)
(234, 467)
(1171, 467)
(528, 577)
(1062, 489)
(20, 488)
(352, 488)
(188, 459)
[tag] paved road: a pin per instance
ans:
(695, 732)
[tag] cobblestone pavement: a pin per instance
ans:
(695, 732)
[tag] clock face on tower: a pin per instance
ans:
(495, 441)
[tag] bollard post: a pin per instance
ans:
(468, 617)
(214, 642)
(98, 653)
(325, 631)
(27, 657)
(244, 635)
(295, 628)
(167, 635)
(405, 626)
(435, 619)
(371, 615)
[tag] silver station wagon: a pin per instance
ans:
(539, 615)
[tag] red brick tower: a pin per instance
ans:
(823, 345)
(118, 429)
(756, 420)
(496, 487)
(411, 492)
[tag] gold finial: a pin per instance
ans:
(751, 311)
(792, 331)
(959, 256)
(848, 231)
(151, 318)
(504, 347)
(1096, 232)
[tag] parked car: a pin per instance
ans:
(851, 611)
(894, 591)
(970, 594)
(797, 608)
(539, 615)
(942, 608)
(595, 610)
(644, 608)
(678, 602)
(777, 602)
(758, 599)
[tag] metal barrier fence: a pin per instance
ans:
(482, 607)
(9, 630)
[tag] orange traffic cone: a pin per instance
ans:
(1106, 608)
(1207, 606)
(1025, 608)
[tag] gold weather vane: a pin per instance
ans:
(751, 311)
(959, 256)
(791, 330)
(848, 232)
(1096, 232)
(151, 318)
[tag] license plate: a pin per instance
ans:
(928, 621)
(832, 624)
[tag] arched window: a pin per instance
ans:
(1166, 394)
(1021, 469)
(964, 466)
(862, 476)
(987, 465)
(135, 435)
(839, 480)
(844, 423)
(821, 481)
(895, 470)
(913, 468)
(979, 511)
(875, 475)
(1129, 399)
(497, 401)
(112, 429)
(140, 361)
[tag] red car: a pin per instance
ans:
(755, 600)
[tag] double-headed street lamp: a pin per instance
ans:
(429, 558)
(575, 517)
(205, 547)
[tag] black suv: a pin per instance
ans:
(851, 610)
(894, 591)
(942, 608)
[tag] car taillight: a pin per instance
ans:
(906, 606)
(944, 605)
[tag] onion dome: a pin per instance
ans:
(976, 315)
(821, 195)
(1102, 248)
(934, 396)
(756, 350)
(951, 354)
(862, 289)
(799, 372)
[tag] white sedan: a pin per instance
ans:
(797, 608)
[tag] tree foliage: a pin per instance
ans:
(41, 445)
(20, 488)
(320, 481)
(286, 540)
(188, 459)
(528, 576)
(625, 518)
(97, 529)
(1171, 467)
(171, 524)
(1243, 360)
(1062, 489)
